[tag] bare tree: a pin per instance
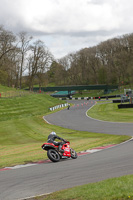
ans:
(38, 61)
(7, 48)
(23, 44)
(7, 39)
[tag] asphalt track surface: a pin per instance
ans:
(76, 119)
(49, 177)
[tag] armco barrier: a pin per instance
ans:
(58, 106)
(74, 98)
(87, 98)
(125, 106)
(120, 101)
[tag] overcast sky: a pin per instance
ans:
(68, 25)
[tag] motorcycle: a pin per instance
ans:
(55, 155)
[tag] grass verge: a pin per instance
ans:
(21, 140)
(112, 189)
(22, 130)
(111, 112)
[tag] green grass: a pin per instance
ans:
(21, 140)
(21, 125)
(112, 189)
(110, 112)
(22, 130)
(6, 89)
(8, 92)
(97, 93)
(31, 105)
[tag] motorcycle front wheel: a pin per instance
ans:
(73, 153)
(53, 155)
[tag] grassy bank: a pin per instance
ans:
(110, 112)
(112, 189)
(22, 130)
(21, 140)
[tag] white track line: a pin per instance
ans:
(46, 120)
(26, 198)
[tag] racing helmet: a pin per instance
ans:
(53, 133)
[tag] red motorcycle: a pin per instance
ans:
(55, 155)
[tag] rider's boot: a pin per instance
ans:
(61, 150)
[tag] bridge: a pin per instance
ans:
(106, 88)
(76, 87)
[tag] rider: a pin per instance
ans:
(51, 139)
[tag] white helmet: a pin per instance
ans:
(53, 133)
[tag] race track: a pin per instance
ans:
(76, 119)
(49, 177)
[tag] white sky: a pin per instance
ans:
(68, 25)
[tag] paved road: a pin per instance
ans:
(76, 119)
(49, 177)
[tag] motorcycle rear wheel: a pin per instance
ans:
(73, 153)
(53, 155)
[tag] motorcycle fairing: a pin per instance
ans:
(66, 149)
(47, 146)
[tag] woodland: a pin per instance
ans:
(26, 62)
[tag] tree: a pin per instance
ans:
(38, 62)
(7, 39)
(24, 41)
(7, 48)
(3, 77)
(57, 73)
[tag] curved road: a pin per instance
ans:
(50, 177)
(76, 119)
